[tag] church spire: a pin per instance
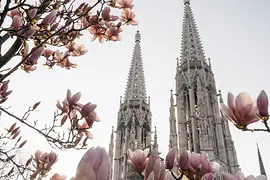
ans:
(172, 119)
(200, 126)
(134, 129)
(111, 148)
(155, 138)
(135, 88)
(262, 169)
(191, 44)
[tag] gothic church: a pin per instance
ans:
(195, 121)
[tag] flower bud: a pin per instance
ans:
(262, 105)
(94, 165)
(170, 158)
(49, 18)
(16, 22)
(32, 13)
(183, 160)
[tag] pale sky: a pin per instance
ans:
(234, 34)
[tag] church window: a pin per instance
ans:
(195, 96)
(135, 132)
(142, 134)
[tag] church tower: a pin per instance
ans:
(201, 128)
(133, 130)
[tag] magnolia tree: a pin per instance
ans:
(45, 32)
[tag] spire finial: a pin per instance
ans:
(172, 97)
(209, 61)
(186, 1)
(138, 37)
(220, 97)
(262, 169)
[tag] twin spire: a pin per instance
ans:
(191, 44)
(135, 89)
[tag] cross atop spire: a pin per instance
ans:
(191, 44)
(138, 37)
(135, 89)
(186, 1)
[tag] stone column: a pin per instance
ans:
(194, 124)
(181, 119)
(219, 130)
(117, 156)
(125, 153)
(139, 137)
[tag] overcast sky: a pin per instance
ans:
(234, 34)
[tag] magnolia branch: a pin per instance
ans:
(16, 44)
(58, 142)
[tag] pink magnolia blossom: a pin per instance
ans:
(43, 162)
(208, 176)
(50, 18)
(168, 176)
(159, 170)
(94, 165)
(154, 166)
(16, 22)
(4, 93)
(32, 13)
(57, 176)
(84, 129)
(150, 164)
(126, 4)
(262, 105)
(97, 32)
(240, 111)
(28, 68)
(138, 159)
(106, 15)
(195, 160)
(151, 176)
(13, 12)
(36, 53)
(89, 114)
(183, 160)
(170, 158)
(72, 100)
(63, 107)
(76, 50)
(128, 17)
(47, 53)
(113, 33)
(30, 32)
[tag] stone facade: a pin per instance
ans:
(134, 118)
(200, 126)
(195, 120)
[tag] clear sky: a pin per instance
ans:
(234, 34)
